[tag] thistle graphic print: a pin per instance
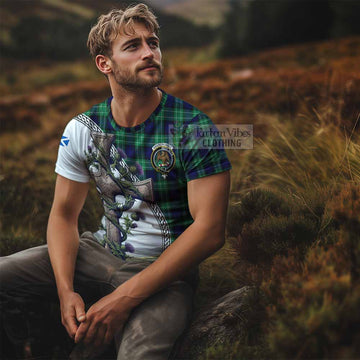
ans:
(117, 192)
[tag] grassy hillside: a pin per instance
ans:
(56, 29)
(294, 215)
(208, 12)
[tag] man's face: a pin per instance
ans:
(136, 59)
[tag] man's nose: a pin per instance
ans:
(147, 52)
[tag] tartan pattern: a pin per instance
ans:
(135, 146)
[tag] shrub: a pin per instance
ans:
(314, 312)
(346, 209)
(255, 203)
(264, 238)
(267, 224)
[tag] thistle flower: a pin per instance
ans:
(140, 215)
(139, 169)
(129, 248)
(121, 153)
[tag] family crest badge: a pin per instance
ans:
(163, 158)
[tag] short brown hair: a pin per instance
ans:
(108, 26)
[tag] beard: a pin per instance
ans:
(132, 80)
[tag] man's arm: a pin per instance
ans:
(63, 243)
(208, 200)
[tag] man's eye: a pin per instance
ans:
(131, 47)
(154, 44)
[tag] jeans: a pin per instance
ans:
(152, 328)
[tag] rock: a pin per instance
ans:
(227, 319)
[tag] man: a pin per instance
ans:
(164, 200)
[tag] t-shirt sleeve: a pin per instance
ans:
(202, 150)
(72, 153)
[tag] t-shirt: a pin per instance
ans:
(140, 172)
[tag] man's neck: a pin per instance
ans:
(131, 108)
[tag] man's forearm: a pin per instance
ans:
(195, 244)
(63, 244)
(62, 231)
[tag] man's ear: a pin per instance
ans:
(103, 64)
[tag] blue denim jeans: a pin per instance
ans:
(152, 328)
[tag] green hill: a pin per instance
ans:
(202, 12)
(58, 29)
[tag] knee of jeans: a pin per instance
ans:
(6, 281)
(171, 307)
(6, 271)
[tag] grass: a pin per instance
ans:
(305, 154)
(293, 221)
(311, 300)
(35, 75)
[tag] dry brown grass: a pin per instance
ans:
(304, 104)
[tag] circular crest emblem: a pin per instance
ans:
(163, 158)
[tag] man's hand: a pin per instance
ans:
(72, 312)
(104, 319)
